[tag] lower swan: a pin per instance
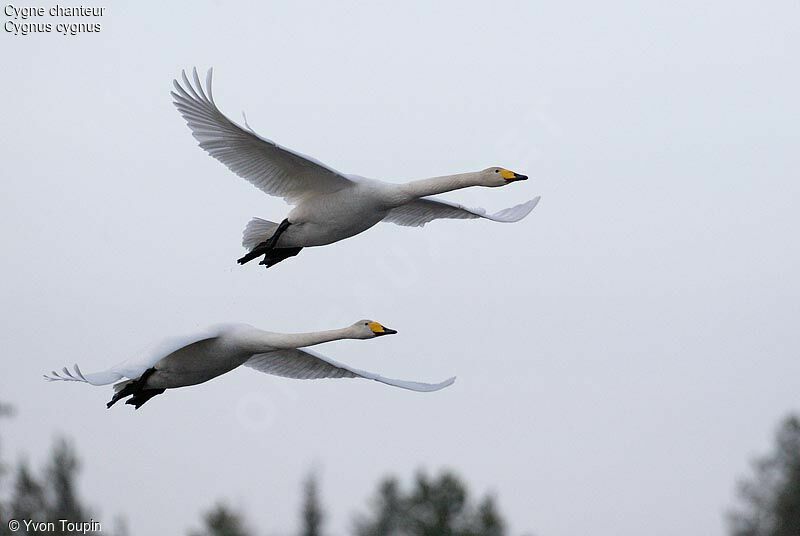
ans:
(195, 359)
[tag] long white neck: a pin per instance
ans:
(264, 341)
(439, 185)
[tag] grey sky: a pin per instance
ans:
(621, 353)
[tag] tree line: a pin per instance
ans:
(431, 505)
(768, 500)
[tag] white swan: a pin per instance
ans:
(198, 358)
(329, 206)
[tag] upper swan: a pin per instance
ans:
(329, 205)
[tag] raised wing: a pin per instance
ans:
(309, 365)
(418, 213)
(135, 367)
(274, 169)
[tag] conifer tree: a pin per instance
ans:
(770, 498)
(312, 514)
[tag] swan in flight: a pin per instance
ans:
(328, 205)
(181, 362)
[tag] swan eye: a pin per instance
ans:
(497, 171)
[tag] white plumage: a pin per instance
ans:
(421, 211)
(329, 205)
(308, 364)
(180, 362)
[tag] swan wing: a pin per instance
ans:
(309, 365)
(103, 377)
(274, 169)
(426, 209)
(135, 367)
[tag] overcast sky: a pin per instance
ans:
(621, 354)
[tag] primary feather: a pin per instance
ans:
(310, 365)
(421, 211)
(275, 170)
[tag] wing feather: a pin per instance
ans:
(418, 213)
(309, 365)
(135, 367)
(275, 170)
(97, 378)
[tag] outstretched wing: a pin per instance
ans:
(96, 378)
(135, 367)
(309, 365)
(418, 213)
(274, 169)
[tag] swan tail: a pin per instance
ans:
(258, 231)
(121, 390)
(121, 385)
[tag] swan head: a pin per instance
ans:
(369, 329)
(499, 176)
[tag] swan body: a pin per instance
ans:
(328, 205)
(325, 219)
(186, 361)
